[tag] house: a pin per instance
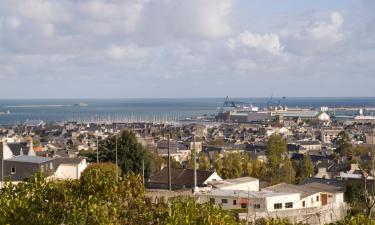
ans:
(309, 145)
(312, 203)
(341, 171)
(20, 167)
(178, 151)
(69, 168)
(181, 179)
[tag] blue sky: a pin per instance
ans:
(186, 48)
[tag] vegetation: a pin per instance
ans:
(344, 146)
(97, 198)
(131, 154)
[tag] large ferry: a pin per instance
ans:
(237, 106)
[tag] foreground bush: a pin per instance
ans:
(97, 198)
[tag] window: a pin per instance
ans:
(224, 201)
(278, 206)
(289, 205)
(212, 200)
(317, 198)
(330, 196)
(13, 170)
(51, 165)
(42, 168)
(234, 202)
(243, 205)
(303, 204)
(312, 200)
(256, 206)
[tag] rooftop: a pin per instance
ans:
(29, 159)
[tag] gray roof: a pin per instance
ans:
(305, 190)
(29, 159)
(66, 160)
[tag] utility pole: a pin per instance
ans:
(195, 164)
(169, 164)
(97, 149)
(2, 164)
(143, 172)
(116, 161)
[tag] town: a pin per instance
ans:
(304, 165)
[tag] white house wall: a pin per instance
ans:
(271, 201)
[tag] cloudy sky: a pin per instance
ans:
(186, 48)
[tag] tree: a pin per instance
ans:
(344, 145)
(288, 173)
(259, 169)
(131, 154)
(218, 163)
(247, 166)
(97, 198)
(308, 167)
(237, 169)
(276, 150)
(204, 162)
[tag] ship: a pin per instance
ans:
(81, 104)
(5, 113)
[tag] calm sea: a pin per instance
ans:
(58, 110)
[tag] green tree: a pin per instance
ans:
(276, 150)
(259, 169)
(288, 173)
(247, 166)
(308, 167)
(204, 162)
(131, 154)
(344, 144)
(218, 163)
(97, 198)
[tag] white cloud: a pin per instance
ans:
(261, 42)
(126, 52)
(328, 31)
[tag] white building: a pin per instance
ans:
(243, 184)
(310, 203)
(69, 168)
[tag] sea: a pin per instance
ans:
(17, 111)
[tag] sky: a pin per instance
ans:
(186, 48)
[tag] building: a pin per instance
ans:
(19, 168)
(242, 183)
(327, 135)
(181, 179)
(312, 203)
(69, 168)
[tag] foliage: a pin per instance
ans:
(344, 145)
(288, 173)
(247, 166)
(204, 162)
(259, 169)
(187, 212)
(276, 150)
(130, 153)
(304, 168)
(358, 219)
(218, 163)
(97, 198)
(110, 169)
(273, 221)
(232, 167)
